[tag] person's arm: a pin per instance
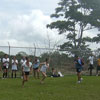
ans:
(16, 62)
(23, 66)
(31, 70)
(3, 61)
(43, 63)
(12, 61)
(7, 61)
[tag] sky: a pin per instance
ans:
(23, 23)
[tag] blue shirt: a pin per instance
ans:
(78, 63)
(36, 65)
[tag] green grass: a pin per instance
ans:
(64, 88)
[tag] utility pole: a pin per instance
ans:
(9, 48)
(9, 57)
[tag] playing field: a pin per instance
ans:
(64, 88)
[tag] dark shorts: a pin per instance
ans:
(78, 70)
(91, 67)
(98, 67)
(4, 67)
(26, 73)
(35, 68)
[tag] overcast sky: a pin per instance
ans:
(23, 22)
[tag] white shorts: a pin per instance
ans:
(43, 69)
(14, 67)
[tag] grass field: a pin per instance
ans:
(64, 88)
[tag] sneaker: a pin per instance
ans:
(78, 82)
(81, 79)
(41, 82)
(21, 77)
(97, 75)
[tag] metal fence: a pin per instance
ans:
(59, 59)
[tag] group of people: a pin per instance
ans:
(79, 63)
(26, 67)
(36, 67)
(91, 64)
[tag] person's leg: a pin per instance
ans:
(91, 72)
(91, 68)
(6, 72)
(44, 76)
(97, 70)
(22, 74)
(12, 74)
(79, 75)
(15, 73)
(27, 78)
(34, 72)
(24, 79)
(38, 73)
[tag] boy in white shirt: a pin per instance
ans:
(91, 62)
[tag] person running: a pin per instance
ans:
(36, 67)
(22, 62)
(5, 65)
(79, 67)
(14, 66)
(45, 66)
(91, 62)
(27, 68)
(98, 66)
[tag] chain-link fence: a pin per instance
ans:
(59, 59)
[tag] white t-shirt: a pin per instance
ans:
(5, 62)
(26, 68)
(44, 67)
(14, 64)
(22, 61)
(91, 59)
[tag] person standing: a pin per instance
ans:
(91, 62)
(36, 67)
(98, 66)
(14, 66)
(79, 66)
(5, 65)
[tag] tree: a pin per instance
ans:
(22, 53)
(2, 54)
(74, 17)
